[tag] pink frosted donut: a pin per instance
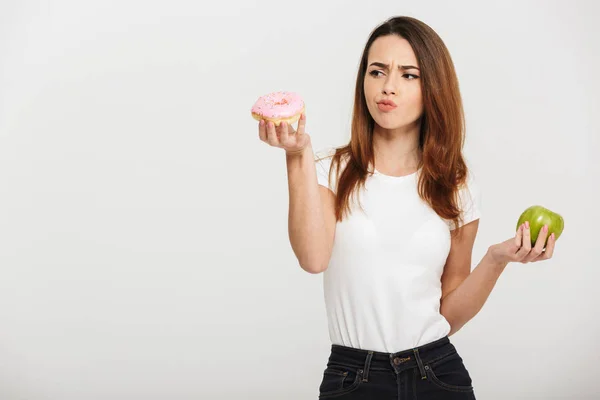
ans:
(278, 107)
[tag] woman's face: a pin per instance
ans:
(391, 75)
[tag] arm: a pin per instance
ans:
(464, 293)
(311, 219)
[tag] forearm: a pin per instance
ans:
(464, 302)
(306, 224)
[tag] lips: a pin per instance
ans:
(386, 105)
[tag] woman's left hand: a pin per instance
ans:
(518, 249)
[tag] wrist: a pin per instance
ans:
(495, 263)
(298, 153)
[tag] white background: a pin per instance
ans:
(143, 224)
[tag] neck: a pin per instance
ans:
(396, 149)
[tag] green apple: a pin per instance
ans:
(539, 216)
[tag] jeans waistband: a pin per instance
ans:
(369, 360)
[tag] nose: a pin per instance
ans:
(388, 87)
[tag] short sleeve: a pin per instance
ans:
(323, 163)
(469, 202)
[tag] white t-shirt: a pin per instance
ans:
(382, 287)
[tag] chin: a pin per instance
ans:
(388, 123)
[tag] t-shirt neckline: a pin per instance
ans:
(395, 178)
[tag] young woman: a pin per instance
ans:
(390, 219)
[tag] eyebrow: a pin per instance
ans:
(382, 65)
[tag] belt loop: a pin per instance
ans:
(420, 363)
(367, 366)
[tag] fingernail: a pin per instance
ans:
(526, 224)
(545, 228)
(262, 122)
(552, 236)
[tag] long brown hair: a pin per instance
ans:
(441, 137)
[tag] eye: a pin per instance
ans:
(375, 73)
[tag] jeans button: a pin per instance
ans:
(396, 361)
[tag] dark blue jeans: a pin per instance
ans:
(434, 371)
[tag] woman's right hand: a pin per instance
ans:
(284, 136)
